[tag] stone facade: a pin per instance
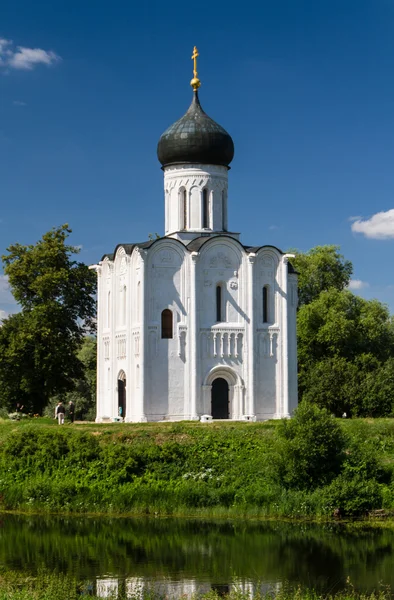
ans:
(195, 324)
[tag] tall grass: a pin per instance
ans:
(184, 468)
(61, 587)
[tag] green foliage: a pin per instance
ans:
(321, 269)
(39, 345)
(58, 586)
(286, 468)
(345, 349)
(84, 393)
(345, 343)
(330, 383)
(310, 448)
(338, 323)
(352, 497)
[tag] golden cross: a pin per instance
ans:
(195, 82)
(194, 58)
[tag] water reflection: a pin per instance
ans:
(185, 556)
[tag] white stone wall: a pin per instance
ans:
(167, 288)
(194, 179)
(222, 345)
(292, 333)
(172, 378)
(268, 334)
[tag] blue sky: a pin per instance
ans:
(306, 89)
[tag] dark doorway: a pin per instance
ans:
(220, 400)
(122, 398)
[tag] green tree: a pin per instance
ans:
(320, 269)
(345, 350)
(309, 449)
(39, 345)
(84, 393)
(338, 323)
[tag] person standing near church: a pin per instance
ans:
(59, 413)
(71, 411)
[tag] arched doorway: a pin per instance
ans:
(220, 399)
(122, 395)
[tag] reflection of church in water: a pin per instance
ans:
(196, 323)
(140, 587)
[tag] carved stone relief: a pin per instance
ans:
(182, 332)
(123, 265)
(220, 260)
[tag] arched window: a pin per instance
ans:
(205, 209)
(265, 304)
(219, 304)
(166, 324)
(184, 208)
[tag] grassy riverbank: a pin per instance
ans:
(60, 587)
(215, 469)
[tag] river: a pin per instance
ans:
(187, 556)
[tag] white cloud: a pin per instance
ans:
(379, 227)
(5, 293)
(19, 103)
(23, 58)
(357, 284)
(272, 227)
(28, 58)
(8, 305)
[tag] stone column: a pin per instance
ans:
(251, 331)
(101, 367)
(193, 338)
(207, 390)
(238, 401)
(284, 411)
(140, 405)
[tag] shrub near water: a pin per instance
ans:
(310, 448)
(303, 467)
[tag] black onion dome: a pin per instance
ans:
(195, 138)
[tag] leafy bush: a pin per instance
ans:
(361, 460)
(3, 413)
(297, 468)
(352, 497)
(309, 449)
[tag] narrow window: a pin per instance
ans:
(265, 304)
(205, 209)
(184, 203)
(166, 324)
(219, 304)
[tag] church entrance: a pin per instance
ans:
(122, 398)
(220, 399)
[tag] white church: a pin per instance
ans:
(196, 325)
